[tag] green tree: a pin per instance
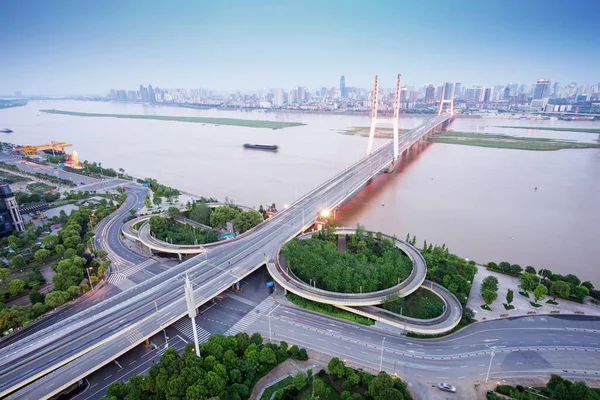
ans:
(528, 282)
(158, 225)
(51, 241)
(156, 200)
(336, 367)
(41, 255)
(579, 390)
(16, 287)
(490, 283)
(4, 272)
(489, 296)
(56, 297)
(579, 291)
(299, 381)
(380, 384)
(173, 212)
(320, 390)
(539, 292)
(221, 215)
(560, 392)
(17, 261)
(530, 270)
(560, 289)
(545, 273)
(200, 213)
(36, 297)
(588, 285)
(59, 249)
(267, 356)
(246, 220)
(147, 202)
(38, 309)
(117, 389)
(74, 291)
(510, 295)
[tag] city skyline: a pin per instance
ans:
(72, 48)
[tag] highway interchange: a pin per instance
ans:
(73, 347)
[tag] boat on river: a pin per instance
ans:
(6, 130)
(268, 147)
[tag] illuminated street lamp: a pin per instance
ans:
(325, 213)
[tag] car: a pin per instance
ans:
(446, 387)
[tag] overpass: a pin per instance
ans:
(52, 359)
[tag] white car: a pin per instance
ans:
(446, 387)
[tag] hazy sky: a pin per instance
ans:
(60, 47)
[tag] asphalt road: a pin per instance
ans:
(85, 342)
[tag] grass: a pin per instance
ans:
(524, 294)
(508, 142)
(384, 133)
(306, 393)
(486, 307)
(138, 225)
(273, 388)
(422, 304)
(249, 123)
(464, 322)
(543, 128)
(554, 303)
(536, 305)
(329, 310)
(38, 187)
(508, 306)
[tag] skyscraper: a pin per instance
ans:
(429, 94)
(458, 90)
(488, 94)
(343, 91)
(448, 91)
(10, 216)
(151, 94)
(542, 88)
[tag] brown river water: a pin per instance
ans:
(481, 202)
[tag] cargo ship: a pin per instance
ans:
(268, 147)
(6, 130)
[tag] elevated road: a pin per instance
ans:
(81, 344)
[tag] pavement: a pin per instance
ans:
(521, 303)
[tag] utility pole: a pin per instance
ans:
(191, 307)
(270, 335)
(89, 278)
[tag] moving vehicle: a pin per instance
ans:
(270, 147)
(6, 130)
(446, 387)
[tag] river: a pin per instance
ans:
(481, 202)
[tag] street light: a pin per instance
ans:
(156, 306)
(493, 348)
(89, 277)
(166, 337)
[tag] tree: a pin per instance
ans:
(509, 296)
(156, 200)
(516, 269)
(588, 285)
(530, 270)
(74, 291)
(490, 283)
(41, 255)
(489, 296)
(319, 389)
(560, 289)
(579, 291)
(528, 282)
(173, 212)
(379, 384)
(51, 241)
(546, 273)
(4, 272)
(579, 390)
(38, 309)
(246, 220)
(200, 213)
(299, 381)
(504, 267)
(16, 287)
(267, 356)
(59, 249)
(221, 215)
(560, 392)
(56, 297)
(539, 292)
(336, 367)
(36, 297)
(147, 202)
(18, 261)
(117, 389)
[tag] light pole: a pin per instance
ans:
(156, 306)
(270, 333)
(381, 359)
(191, 307)
(166, 337)
(493, 348)
(89, 278)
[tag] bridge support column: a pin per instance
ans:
(373, 116)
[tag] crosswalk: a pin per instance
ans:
(184, 326)
(264, 307)
(124, 273)
(134, 336)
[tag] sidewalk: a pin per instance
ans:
(521, 303)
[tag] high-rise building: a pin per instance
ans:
(343, 91)
(542, 88)
(143, 93)
(151, 94)
(507, 93)
(448, 90)
(555, 90)
(458, 90)
(10, 216)
(430, 94)
(488, 94)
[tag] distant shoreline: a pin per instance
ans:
(248, 123)
(508, 142)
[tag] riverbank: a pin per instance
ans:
(507, 142)
(380, 133)
(248, 123)
(544, 128)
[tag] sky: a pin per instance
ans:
(88, 47)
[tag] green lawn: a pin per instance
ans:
(508, 142)
(329, 310)
(543, 128)
(273, 388)
(422, 304)
(38, 187)
(250, 123)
